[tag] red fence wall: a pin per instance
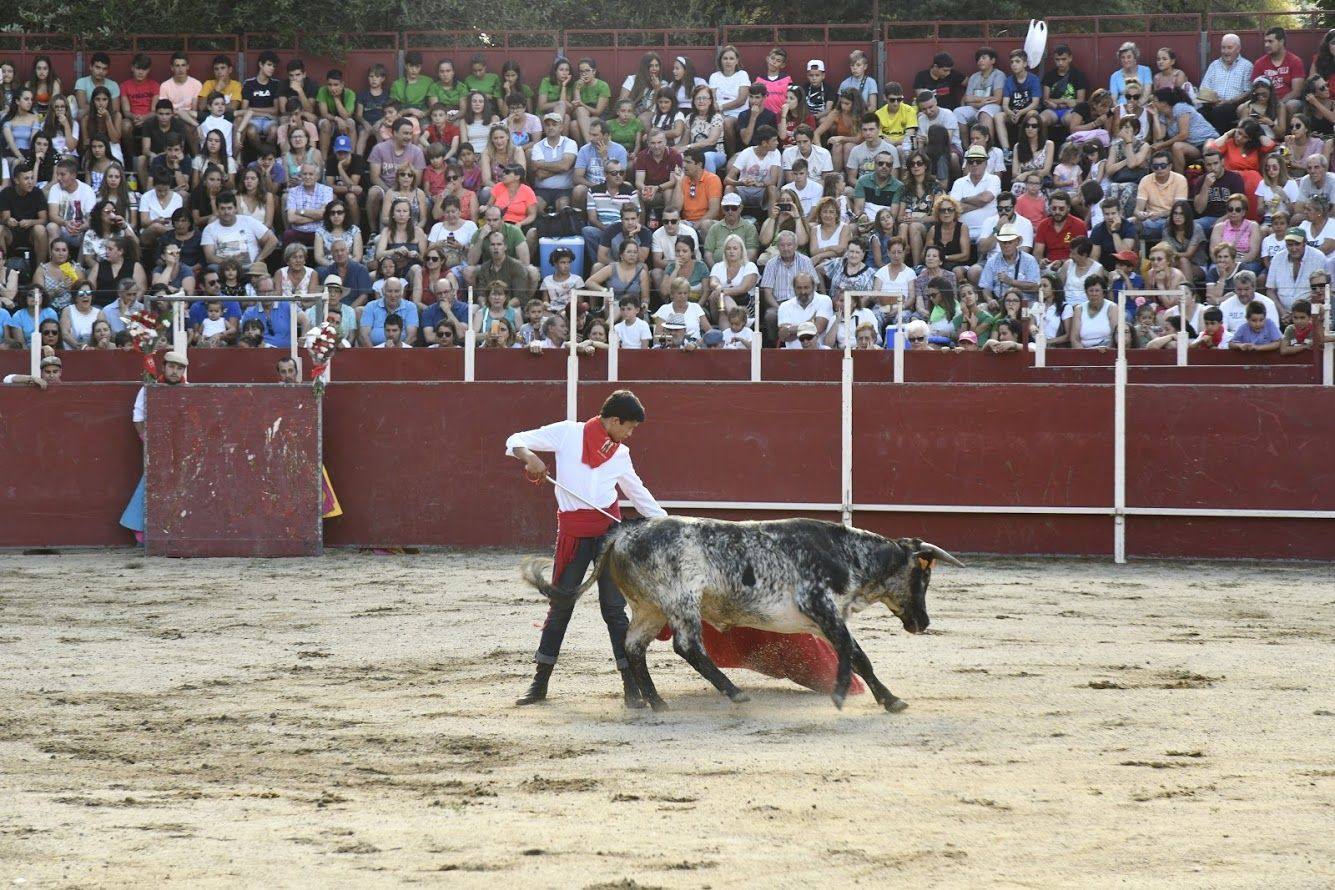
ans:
(422, 463)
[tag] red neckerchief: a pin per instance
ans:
(1303, 334)
(598, 447)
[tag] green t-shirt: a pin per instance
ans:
(514, 236)
(453, 95)
(719, 232)
(985, 321)
(548, 91)
(346, 103)
(417, 94)
(624, 134)
(591, 94)
(488, 84)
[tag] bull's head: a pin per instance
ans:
(906, 572)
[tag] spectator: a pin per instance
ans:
(976, 192)
(1021, 94)
(1290, 274)
(1259, 334)
(1094, 322)
(1237, 308)
(898, 119)
(733, 279)
(851, 273)
(1008, 267)
(1054, 235)
(24, 211)
(1185, 130)
(860, 158)
(1225, 82)
(1302, 335)
(1056, 315)
(592, 162)
(377, 312)
(1128, 56)
(627, 277)
(306, 203)
(1283, 68)
(518, 278)
(233, 236)
(1157, 193)
(805, 306)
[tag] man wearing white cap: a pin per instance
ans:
(976, 191)
(173, 374)
(49, 373)
(1009, 268)
(819, 97)
(552, 163)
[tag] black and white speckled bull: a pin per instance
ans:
(788, 576)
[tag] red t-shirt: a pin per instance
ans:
(1282, 76)
(1057, 245)
(444, 135)
(141, 94)
(777, 91)
(657, 172)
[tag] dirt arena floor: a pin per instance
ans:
(348, 722)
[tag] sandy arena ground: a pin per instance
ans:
(348, 722)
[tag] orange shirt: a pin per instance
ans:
(515, 206)
(696, 196)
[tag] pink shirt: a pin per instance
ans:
(182, 95)
(1240, 236)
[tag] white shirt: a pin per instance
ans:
(634, 335)
(463, 235)
(692, 315)
(1023, 227)
(544, 151)
(596, 485)
(558, 292)
(152, 211)
(964, 187)
(750, 166)
(1235, 311)
(944, 118)
(737, 339)
(222, 125)
(808, 196)
(900, 283)
(83, 195)
(818, 162)
(726, 89)
(386, 345)
(791, 312)
(139, 413)
(240, 240)
(666, 245)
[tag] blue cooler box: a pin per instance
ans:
(574, 244)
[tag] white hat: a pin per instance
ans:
(553, 116)
(731, 199)
(176, 358)
(1008, 233)
(333, 281)
(807, 329)
(817, 64)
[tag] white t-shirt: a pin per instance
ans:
(152, 211)
(463, 236)
(83, 197)
(1235, 311)
(808, 196)
(542, 150)
(737, 339)
(899, 283)
(240, 240)
(818, 163)
(945, 118)
(558, 292)
(726, 89)
(692, 315)
(1316, 239)
(720, 274)
(386, 345)
(222, 125)
(634, 335)
(794, 313)
(751, 166)
(1022, 225)
(666, 245)
(964, 187)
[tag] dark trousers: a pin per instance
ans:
(610, 601)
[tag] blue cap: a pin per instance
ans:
(343, 143)
(713, 337)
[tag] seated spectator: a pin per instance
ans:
(657, 171)
(354, 278)
(233, 236)
(805, 306)
(1094, 322)
(700, 193)
(592, 162)
(559, 287)
(405, 242)
(1237, 307)
(632, 332)
(1157, 193)
(393, 333)
(346, 174)
(1008, 268)
(1302, 334)
(447, 312)
(679, 309)
(305, 207)
(377, 312)
(519, 279)
(1259, 334)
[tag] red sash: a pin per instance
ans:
(571, 525)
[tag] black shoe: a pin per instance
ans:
(537, 690)
(631, 690)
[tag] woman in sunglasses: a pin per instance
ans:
(337, 225)
(1239, 232)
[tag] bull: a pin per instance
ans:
(787, 576)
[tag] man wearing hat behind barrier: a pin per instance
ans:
(1008, 267)
(173, 374)
(50, 373)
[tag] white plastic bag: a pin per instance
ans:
(1036, 43)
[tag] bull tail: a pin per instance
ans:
(534, 572)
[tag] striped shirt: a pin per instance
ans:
(1228, 82)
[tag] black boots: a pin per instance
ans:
(631, 690)
(537, 690)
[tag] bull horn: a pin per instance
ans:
(936, 552)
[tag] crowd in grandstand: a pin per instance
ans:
(983, 205)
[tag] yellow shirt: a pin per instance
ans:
(232, 91)
(894, 126)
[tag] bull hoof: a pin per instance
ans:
(658, 705)
(838, 701)
(895, 705)
(739, 697)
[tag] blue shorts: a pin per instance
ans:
(263, 125)
(1061, 112)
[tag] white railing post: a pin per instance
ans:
(1186, 307)
(846, 418)
(292, 309)
(470, 343)
(35, 344)
(899, 343)
(1038, 316)
(1328, 343)
(613, 342)
(179, 339)
(1119, 434)
(755, 343)
(572, 363)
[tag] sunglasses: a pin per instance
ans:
(917, 163)
(973, 161)
(1158, 166)
(337, 210)
(433, 259)
(1133, 95)
(891, 100)
(947, 209)
(1031, 126)
(885, 163)
(916, 339)
(1236, 209)
(805, 337)
(669, 222)
(453, 177)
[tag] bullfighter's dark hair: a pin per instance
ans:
(624, 406)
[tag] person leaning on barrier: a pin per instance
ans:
(50, 373)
